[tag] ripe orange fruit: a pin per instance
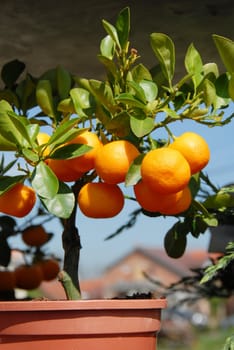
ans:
(64, 170)
(50, 269)
(7, 280)
(85, 162)
(180, 203)
(100, 200)
(170, 204)
(42, 139)
(35, 236)
(194, 149)
(18, 201)
(28, 276)
(165, 170)
(114, 159)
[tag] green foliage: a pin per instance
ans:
(222, 263)
(133, 102)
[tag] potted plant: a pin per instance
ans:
(87, 143)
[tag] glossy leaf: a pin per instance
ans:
(102, 92)
(70, 151)
(62, 203)
(6, 182)
(45, 98)
(225, 48)
(164, 50)
(44, 181)
(141, 125)
(194, 65)
(64, 132)
(138, 91)
(111, 30)
(123, 27)
(129, 99)
(150, 89)
(107, 47)
(134, 172)
(140, 72)
(175, 241)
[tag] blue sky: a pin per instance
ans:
(97, 253)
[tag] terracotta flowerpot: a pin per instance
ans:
(77, 325)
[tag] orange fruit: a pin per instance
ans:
(114, 159)
(28, 276)
(35, 236)
(18, 201)
(7, 280)
(165, 170)
(42, 139)
(170, 204)
(180, 203)
(85, 162)
(50, 269)
(194, 148)
(64, 170)
(100, 200)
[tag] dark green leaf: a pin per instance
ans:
(44, 181)
(164, 50)
(70, 151)
(120, 125)
(134, 172)
(64, 82)
(129, 99)
(231, 86)
(123, 27)
(62, 204)
(6, 182)
(103, 93)
(11, 72)
(175, 241)
(44, 97)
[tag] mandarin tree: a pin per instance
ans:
(104, 136)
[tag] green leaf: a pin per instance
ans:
(225, 48)
(164, 50)
(140, 72)
(209, 92)
(109, 64)
(231, 87)
(107, 47)
(194, 65)
(11, 72)
(81, 100)
(111, 30)
(30, 155)
(129, 99)
(175, 240)
(120, 125)
(134, 172)
(138, 91)
(64, 132)
(62, 203)
(44, 181)
(150, 89)
(70, 151)
(141, 125)
(6, 182)
(64, 82)
(103, 93)
(123, 27)
(45, 98)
